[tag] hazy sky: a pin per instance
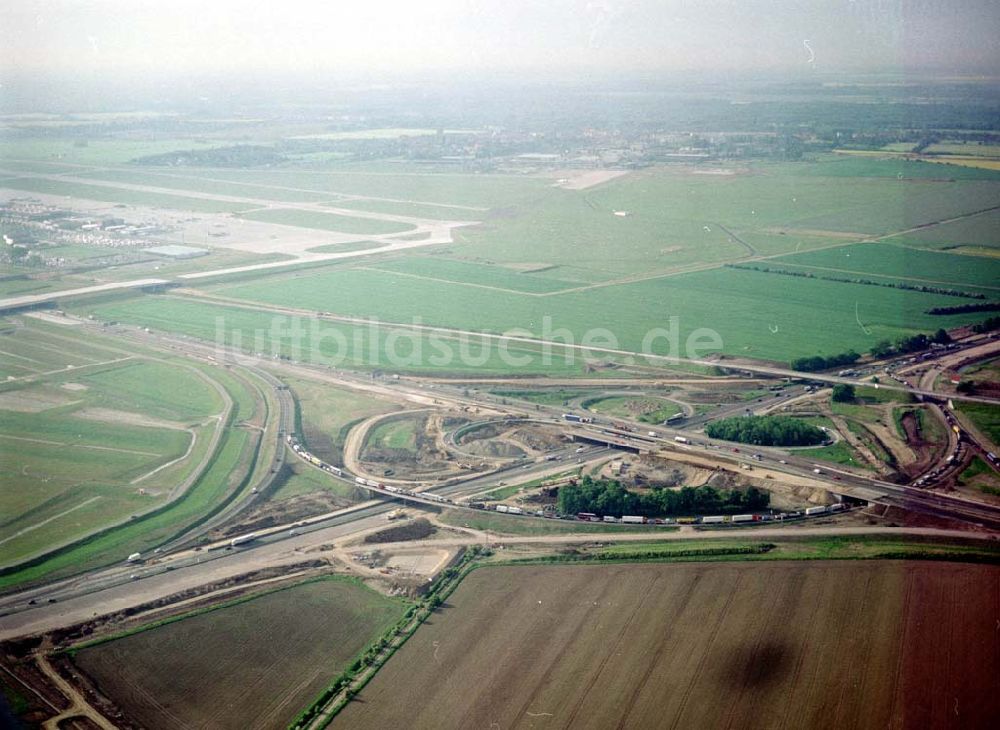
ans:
(406, 37)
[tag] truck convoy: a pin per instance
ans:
(507, 509)
(703, 520)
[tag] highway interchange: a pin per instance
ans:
(186, 564)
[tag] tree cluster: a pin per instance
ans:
(609, 497)
(843, 393)
(966, 308)
(915, 343)
(912, 343)
(815, 363)
(865, 282)
(766, 431)
(243, 155)
(987, 325)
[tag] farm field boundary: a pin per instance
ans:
(729, 619)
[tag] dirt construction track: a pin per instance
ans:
(736, 645)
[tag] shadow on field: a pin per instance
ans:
(755, 666)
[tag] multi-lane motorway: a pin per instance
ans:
(181, 567)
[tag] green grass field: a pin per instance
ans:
(445, 270)
(838, 453)
(905, 264)
(871, 395)
(977, 232)
(89, 446)
(810, 317)
(327, 413)
(477, 191)
(352, 347)
(305, 479)
(85, 452)
(430, 211)
(142, 535)
(958, 148)
(39, 153)
(178, 180)
(865, 547)
(23, 285)
(648, 410)
(857, 411)
(349, 246)
(33, 350)
(675, 217)
(559, 263)
(887, 167)
(156, 389)
(394, 434)
(548, 397)
(65, 476)
(976, 468)
(985, 417)
(326, 221)
(124, 196)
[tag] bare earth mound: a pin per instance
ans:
(764, 645)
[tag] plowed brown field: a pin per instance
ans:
(734, 645)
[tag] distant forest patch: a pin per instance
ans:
(235, 156)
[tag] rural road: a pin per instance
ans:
(288, 552)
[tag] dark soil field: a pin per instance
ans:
(413, 530)
(252, 665)
(780, 645)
